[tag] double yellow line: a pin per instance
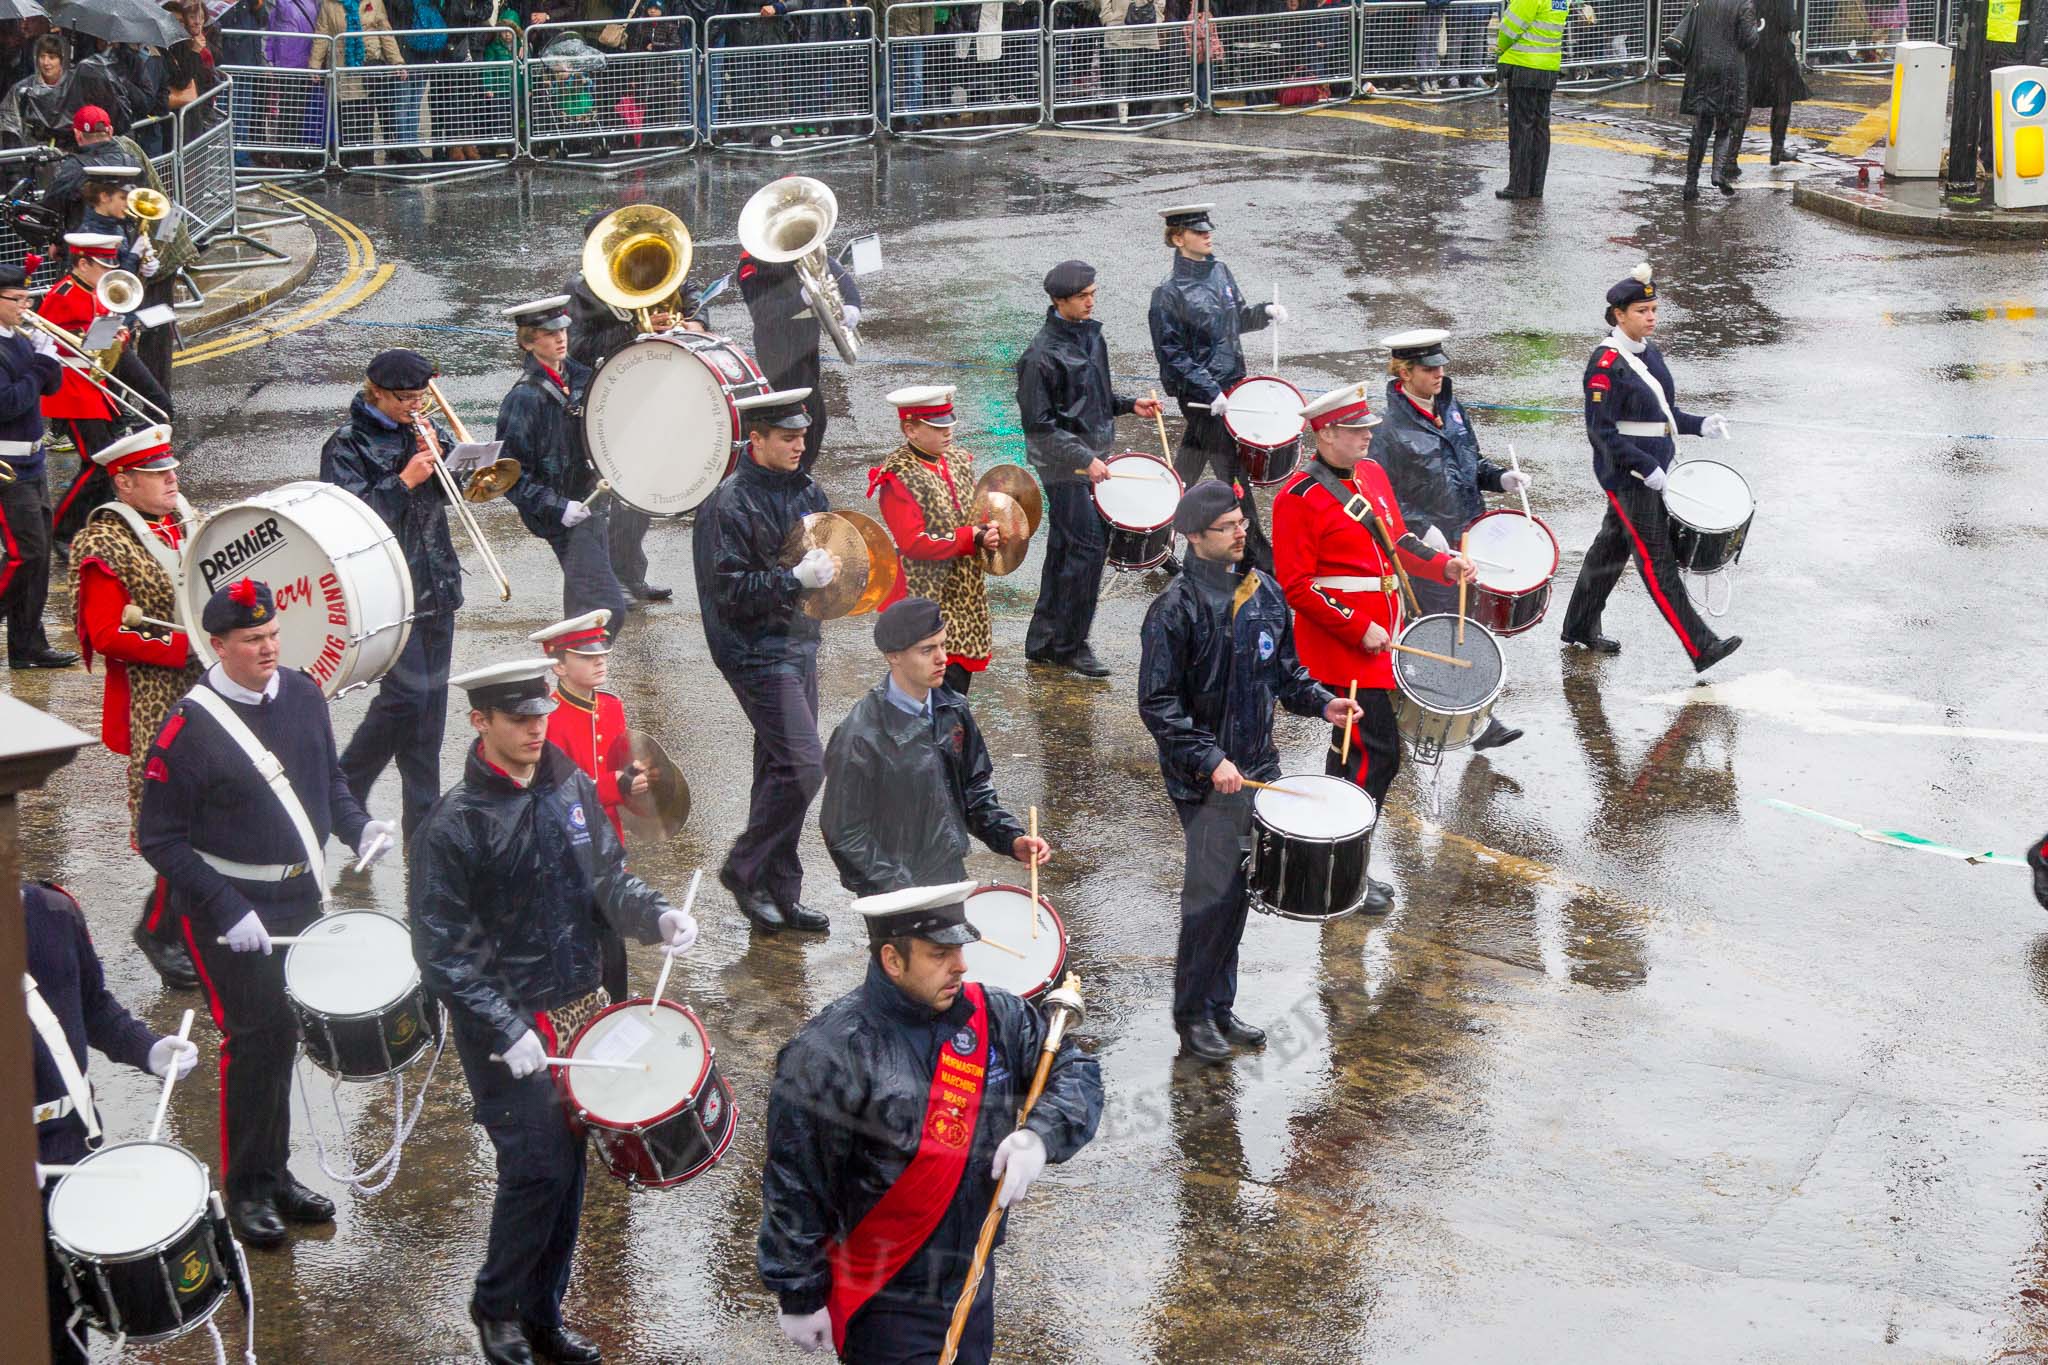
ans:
(363, 277)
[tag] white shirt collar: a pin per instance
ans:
(1621, 339)
(217, 678)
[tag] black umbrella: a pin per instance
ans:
(119, 21)
(21, 9)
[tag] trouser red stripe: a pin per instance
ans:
(1648, 569)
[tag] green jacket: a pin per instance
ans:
(1532, 34)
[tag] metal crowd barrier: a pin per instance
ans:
(1285, 61)
(964, 85)
(1413, 51)
(789, 84)
(1120, 75)
(1607, 43)
(1863, 32)
(201, 177)
(625, 86)
(282, 112)
(425, 104)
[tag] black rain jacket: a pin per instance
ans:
(365, 456)
(1065, 402)
(1437, 471)
(1197, 314)
(747, 598)
(542, 428)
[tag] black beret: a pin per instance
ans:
(903, 625)
(400, 370)
(241, 604)
(1634, 289)
(1068, 278)
(11, 277)
(1201, 505)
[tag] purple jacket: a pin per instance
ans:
(291, 17)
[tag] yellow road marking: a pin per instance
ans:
(1858, 138)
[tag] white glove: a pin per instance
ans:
(149, 264)
(42, 345)
(678, 932)
(1434, 539)
(1218, 405)
(526, 1057)
(166, 1053)
(851, 312)
(812, 1331)
(1019, 1161)
(1275, 313)
(372, 832)
(1714, 427)
(1514, 481)
(1655, 481)
(816, 569)
(574, 513)
(249, 935)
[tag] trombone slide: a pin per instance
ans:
(457, 503)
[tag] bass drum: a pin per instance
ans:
(662, 422)
(343, 592)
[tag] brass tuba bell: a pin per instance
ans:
(636, 257)
(788, 220)
(148, 207)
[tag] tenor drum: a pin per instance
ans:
(1004, 913)
(1711, 508)
(1310, 836)
(1439, 706)
(660, 1126)
(1137, 502)
(1263, 416)
(343, 592)
(356, 992)
(133, 1231)
(1517, 558)
(662, 422)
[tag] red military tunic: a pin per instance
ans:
(102, 597)
(73, 307)
(1313, 538)
(589, 734)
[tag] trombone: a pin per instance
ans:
(487, 483)
(119, 291)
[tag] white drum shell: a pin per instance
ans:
(661, 423)
(1004, 914)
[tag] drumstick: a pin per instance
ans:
(377, 846)
(92, 1168)
(1159, 417)
(587, 1061)
(163, 1099)
(1284, 791)
(1517, 464)
(668, 960)
(1350, 722)
(1002, 946)
(1034, 876)
(287, 940)
(1464, 540)
(1426, 654)
(603, 487)
(1275, 325)
(131, 617)
(1124, 474)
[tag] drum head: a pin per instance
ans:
(670, 1041)
(128, 1199)
(660, 426)
(1138, 503)
(1514, 554)
(357, 962)
(1004, 914)
(1264, 412)
(1446, 688)
(1708, 496)
(1316, 806)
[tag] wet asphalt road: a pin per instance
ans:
(1640, 1068)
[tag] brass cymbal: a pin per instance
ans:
(1008, 517)
(664, 808)
(1015, 480)
(493, 479)
(840, 538)
(885, 566)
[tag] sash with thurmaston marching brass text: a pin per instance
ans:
(883, 1242)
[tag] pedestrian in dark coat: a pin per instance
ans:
(1775, 80)
(1717, 88)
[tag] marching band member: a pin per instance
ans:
(511, 876)
(1068, 409)
(1218, 652)
(1632, 416)
(786, 335)
(891, 1123)
(128, 554)
(1197, 315)
(926, 490)
(243, 854)
(29, 372)
(1339, 545)
(1431, 454)
(378, 456)
(767, 649)
(106, 212)
(907, 776)
(540, 420)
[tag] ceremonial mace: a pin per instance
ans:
(1065, 1011)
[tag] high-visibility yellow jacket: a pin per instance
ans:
(1532, 34)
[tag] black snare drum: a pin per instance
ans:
(356, 990)
(657, 1127)
(1310, 835)
(1137, 502)
(1711, 508)
(140, 1251)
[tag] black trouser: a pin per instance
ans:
(259, 1043)
(584, 551)
(153, 345)
(1076, 548)
(1781, 121)
(1212, 906)
(894, 1332)
(90, 486)
(405, 722)
(613, 946)
(64, 1348)
(162, 918)
(789, 767)
(958, 678)
(1726, 136)
(628, 528)
(1375, 742)
(1636, 526)
(1208, 440)
(1528, 139)
(540, 1182)
(25, 562)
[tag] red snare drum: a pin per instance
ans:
(1516, 557)
(660, 1126)
(1263, 416)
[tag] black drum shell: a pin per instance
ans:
(1132, 550)
(154, 1295)
(1306, 879)
(368, 1047)
(1699, 551)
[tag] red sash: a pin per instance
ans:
(883, 1242)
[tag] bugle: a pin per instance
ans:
(458, 500)
(103, 379)
(148, 207)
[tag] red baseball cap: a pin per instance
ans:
(91, 116)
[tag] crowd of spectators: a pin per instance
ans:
(49, 75)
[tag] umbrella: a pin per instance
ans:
(120, 21)
(21, 9)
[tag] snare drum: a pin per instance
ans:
(1310, 836)
(1139, 509)
(657, 1127)
(1516, 557)
(133, 1232)
(338, 575)
(662, 422)
(1711, 509)
(1263, 416)
(1004, 913)
(1440, 706)
(356, 991)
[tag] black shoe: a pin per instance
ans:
(1084, 662)
(764, 912)
(171, 961)
(504, 1341)
(1238, 1031)
(1725, 188)
(1779, 155)
(1496, 735)
(1379, 897)
(648, 593)
(45, 657)
(1691, 193)
(1734, 174)
(1596, 642)
(562, 1346)
(1509, 194)
(256, 1222)
(301, 1205)
(1045, 656)
(1205, 1042)
(1716, 652)
(1170, 565)
(801, 917)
